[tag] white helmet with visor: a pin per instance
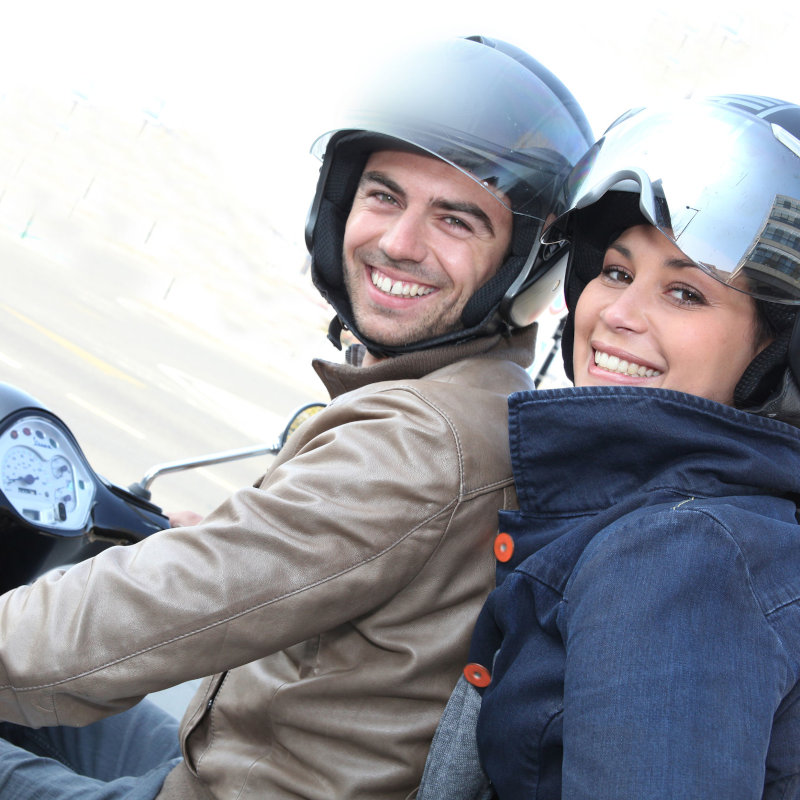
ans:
(722, 184)
(720, 178)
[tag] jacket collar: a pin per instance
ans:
(340, 378)
(580, 450)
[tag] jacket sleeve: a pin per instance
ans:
(673, 674)
(332, 532)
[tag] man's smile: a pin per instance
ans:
(398, 288)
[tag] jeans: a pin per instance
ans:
(125, 756)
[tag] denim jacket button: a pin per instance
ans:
(477, 675)
(503, 547)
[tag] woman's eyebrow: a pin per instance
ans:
(621, 249)
(674, 261)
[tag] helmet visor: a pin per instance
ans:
(724, 187)
(477, 109)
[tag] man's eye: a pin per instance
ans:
(455, 222)
(383, 197)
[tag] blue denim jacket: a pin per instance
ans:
(644, 641)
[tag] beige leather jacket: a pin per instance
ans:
(335, 600)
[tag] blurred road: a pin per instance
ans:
(136, 383)
(144, 301)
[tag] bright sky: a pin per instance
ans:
(259, 79)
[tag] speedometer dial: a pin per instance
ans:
(63, 482)
(23, 470)
(44, 476)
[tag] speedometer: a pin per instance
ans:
(44, 476)
(23, 469)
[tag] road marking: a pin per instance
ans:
(221, 482)
(258, 423)
(107, 417)
(103, 366)
(9, 362)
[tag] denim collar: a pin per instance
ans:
(581, 450)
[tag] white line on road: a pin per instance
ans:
(221, 482)
(107, 417)
(104, 366)
(9, 362)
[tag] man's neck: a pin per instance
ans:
(369, 360)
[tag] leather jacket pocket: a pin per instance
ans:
(195, 734)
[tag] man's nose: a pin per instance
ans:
(404, 239)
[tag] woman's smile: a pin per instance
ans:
(653, 318)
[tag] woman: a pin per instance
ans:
(644, 638)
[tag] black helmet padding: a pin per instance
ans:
(339, 181)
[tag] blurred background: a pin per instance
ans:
(155, 177)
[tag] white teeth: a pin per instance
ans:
(620, 365)
(398, 288)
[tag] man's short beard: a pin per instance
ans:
(427, 331)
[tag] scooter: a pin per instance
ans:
(55, 510)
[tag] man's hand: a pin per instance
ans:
(180, 519)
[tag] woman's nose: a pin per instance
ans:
(404, 239)
(628, 310)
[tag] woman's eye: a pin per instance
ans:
(688, 296)
(616, 274)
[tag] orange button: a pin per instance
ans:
(503, 547)
(477, 675)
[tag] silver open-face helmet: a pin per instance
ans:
(720, 178)
(491, 111)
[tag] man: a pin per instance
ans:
(335, 599)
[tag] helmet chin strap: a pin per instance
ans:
(335, 329)
(378, 350)
(794, 349)
(784, 404)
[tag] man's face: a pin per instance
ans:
(421, 237)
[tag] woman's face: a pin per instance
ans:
(652, 318)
